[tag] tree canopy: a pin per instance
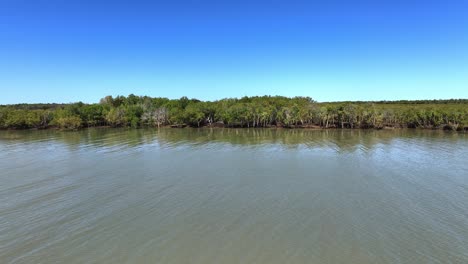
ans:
(258, 111)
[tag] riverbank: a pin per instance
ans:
(298, 127)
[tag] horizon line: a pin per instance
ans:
(238, 98)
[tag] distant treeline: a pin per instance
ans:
(259, 111)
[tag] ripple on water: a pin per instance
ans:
(233, 196)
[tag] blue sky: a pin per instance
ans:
(67, 51)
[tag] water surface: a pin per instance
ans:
(233, 196)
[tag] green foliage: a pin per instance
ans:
(257, 111)
(117, 117)
(92, 115)
(23, 119)
(68, 122)
(194, 114)
(67, 118)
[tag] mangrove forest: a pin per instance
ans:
(258, 111)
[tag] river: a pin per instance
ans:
(233, 196)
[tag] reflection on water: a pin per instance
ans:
(343, 140)
(233, 196)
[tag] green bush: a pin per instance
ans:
(68, 122)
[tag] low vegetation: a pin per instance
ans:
(264, 111)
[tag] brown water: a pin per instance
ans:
(233, 196)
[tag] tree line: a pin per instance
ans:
(258, 111)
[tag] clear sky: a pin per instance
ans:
(68, 51)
